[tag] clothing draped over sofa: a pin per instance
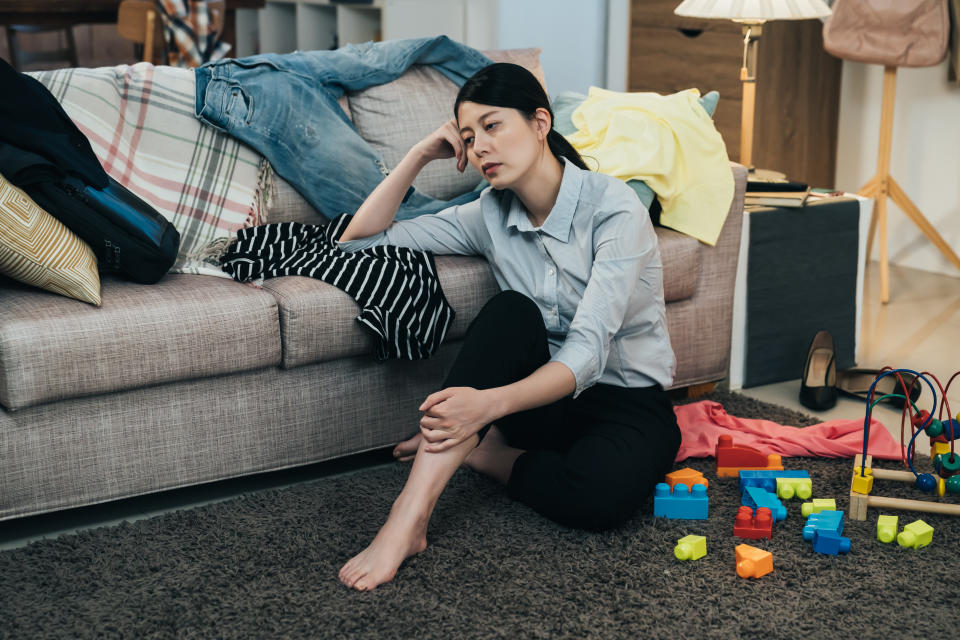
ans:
(285, 107)
(669, 142)
(401, 302)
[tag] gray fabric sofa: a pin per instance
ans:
(197, 379)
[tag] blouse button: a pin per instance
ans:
(550, 271)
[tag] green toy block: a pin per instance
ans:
(789, 488)
(817, 505)
(886, 528)
(690, 547)
(917, 534)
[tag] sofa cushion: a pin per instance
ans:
(35, 248)
(680, 255)
(392, 117)
(318, 321)
(183, 327)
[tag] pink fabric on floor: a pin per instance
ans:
(701, 423)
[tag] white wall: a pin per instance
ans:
(572, 34)
(925, 157)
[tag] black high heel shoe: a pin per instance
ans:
(818, 387)
(856, 383)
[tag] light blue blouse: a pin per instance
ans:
(593, 268)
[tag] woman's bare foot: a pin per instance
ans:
(402, 535)
(406, 451)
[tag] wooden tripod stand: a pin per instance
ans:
(882, 185)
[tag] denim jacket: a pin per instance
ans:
(285, 107)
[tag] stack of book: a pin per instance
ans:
(776, 193)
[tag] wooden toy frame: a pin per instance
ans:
(859, 501)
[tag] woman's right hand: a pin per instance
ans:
(445, 142)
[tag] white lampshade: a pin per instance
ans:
(753, 10)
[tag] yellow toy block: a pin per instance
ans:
(917, 534)
(686, 476)
(936, 448)
(817, 505)
(789, 488)
(753, 562)
(862, 484)
(690, 547)
(886, 528)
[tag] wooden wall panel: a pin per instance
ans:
(798, 83)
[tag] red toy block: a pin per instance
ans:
(686, 476)
(752, 526)
(731, 459)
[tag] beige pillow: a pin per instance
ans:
(36, 249)
(393, 117)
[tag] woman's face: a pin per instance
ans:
(502, 144)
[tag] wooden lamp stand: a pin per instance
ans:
(882, 186)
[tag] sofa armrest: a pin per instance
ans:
(701, 326)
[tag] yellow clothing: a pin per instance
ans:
(670, 143)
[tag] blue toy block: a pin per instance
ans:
(755, 497)
(823, 521)
(767, 479)
(682, 503)
(830, 542)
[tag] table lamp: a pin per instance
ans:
(751, 14)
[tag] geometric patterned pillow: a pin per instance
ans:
(36, 249)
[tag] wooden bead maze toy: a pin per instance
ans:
(943, 431)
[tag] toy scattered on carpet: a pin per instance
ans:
(691, 547)
(764, 483)
(943, 431)
(753, 562)
(680, 502)
(731, 459)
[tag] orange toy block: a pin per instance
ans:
(731, 459)
(686, 476)
(753, 562)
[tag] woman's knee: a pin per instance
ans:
(512, 306)
(511, 320)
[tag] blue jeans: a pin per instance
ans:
(285, 107)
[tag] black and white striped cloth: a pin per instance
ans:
(401, 301)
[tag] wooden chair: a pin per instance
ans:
(20, 58)
(139, 22)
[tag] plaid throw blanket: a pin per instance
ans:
(189, 34)
(139, 120)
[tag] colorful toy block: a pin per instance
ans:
(886, 528)
(690, 547)
(862, 482)
(938, 448)
(917, 534)
(753, 527)
(680, 503)
(817, 505)
(826, 520)
(732, 458)
(755, 497)
(767, 479)
(688, 476)
(789, 488)
(753, 562)
(830, 542)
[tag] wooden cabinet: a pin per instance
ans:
(798, 83)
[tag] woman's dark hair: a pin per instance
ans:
(503, 84)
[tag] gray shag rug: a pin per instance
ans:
(265, 566)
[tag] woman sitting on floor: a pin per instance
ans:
(558, 389)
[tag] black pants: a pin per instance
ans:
(590, 461)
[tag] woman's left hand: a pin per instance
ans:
(452, 415)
